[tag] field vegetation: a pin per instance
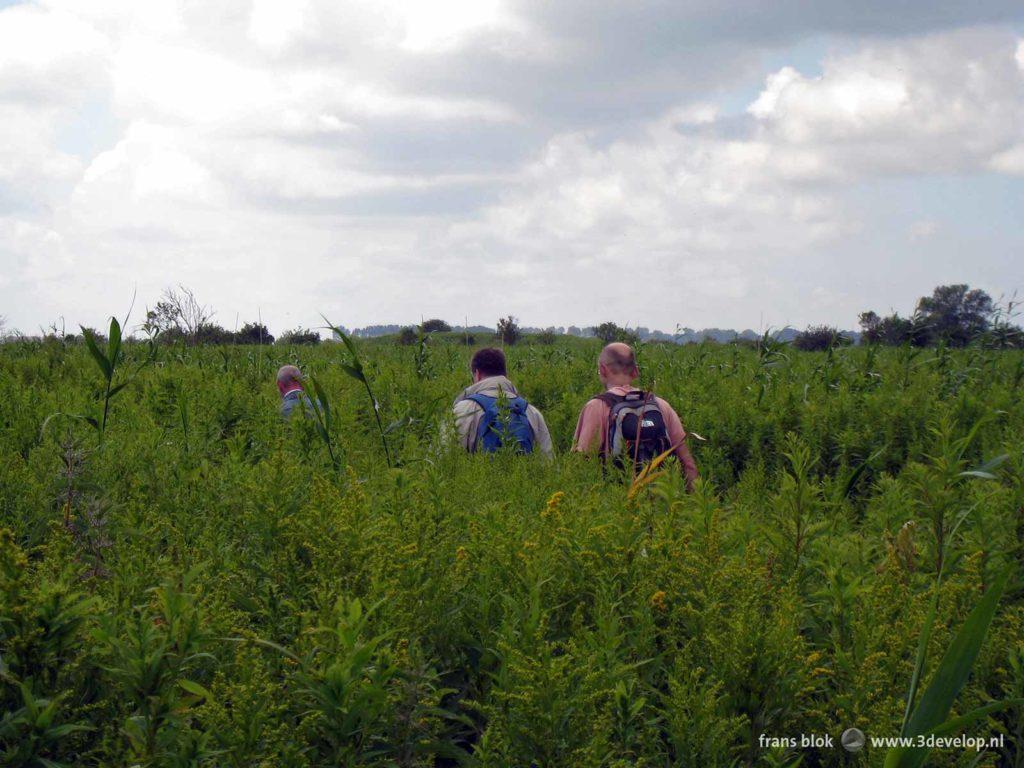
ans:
(186, 580)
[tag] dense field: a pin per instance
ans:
(205, 586)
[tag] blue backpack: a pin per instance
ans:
(492, 433)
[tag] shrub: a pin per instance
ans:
(407, 336)
(820, 338)
(254, 333)
(547, 336)
(435, 326)
(299, 336)
(508, 331)
(609, 332)
(211, 333)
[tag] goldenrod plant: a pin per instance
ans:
(214, 586)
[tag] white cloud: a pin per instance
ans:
(1009, 161)
(48, 57)
(273, 24)
(379, 160)
(942, 103)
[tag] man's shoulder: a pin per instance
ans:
(665, 407)
(465, 406)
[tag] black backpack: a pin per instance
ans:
(636, 429)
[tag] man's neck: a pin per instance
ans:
(289, 391)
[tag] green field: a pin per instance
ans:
(203, 584)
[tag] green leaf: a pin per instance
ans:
(852, 481)
(114, 343)
(899, 756)
(268, 644)
(355, 373)
(63, 730)
(949, 677)
(957, 724)
(196, 689)
(977, 473)
(325, 404)
(97, 355)
(351, 348)
(985, 470)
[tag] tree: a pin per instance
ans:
(547, 336)
(893, 330)
(211, 333)
(820, 338)
(299, 336)
(435, 325)
(254, 333)
(508, 330)
(955, 313)
(609, 332)
(178, 309)
(407, 336)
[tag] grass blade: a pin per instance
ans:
(950, 676)
(97, 354)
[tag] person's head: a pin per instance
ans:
(288, 378)
(616, 365)
(487, 362)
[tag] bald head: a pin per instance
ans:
(288, 378)
(617, 365)
(618, 357)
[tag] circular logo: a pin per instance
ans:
(852, 739)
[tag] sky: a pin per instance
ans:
(732, 164)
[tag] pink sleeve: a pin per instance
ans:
(677, 435)
(590, 427)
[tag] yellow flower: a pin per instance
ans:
(461, 554)
(552, 505)
(658, 600)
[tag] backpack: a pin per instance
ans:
(492, 432)
(625, 443)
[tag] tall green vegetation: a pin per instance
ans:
(218, 587)
(108, 362)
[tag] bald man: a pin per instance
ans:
(289, 385)
(605, 424)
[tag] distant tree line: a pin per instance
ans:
(954, 315)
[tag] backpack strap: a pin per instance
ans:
(484, 401)
(609, 398)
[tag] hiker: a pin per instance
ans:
(289, 384)
(479, 410)
(607, 423)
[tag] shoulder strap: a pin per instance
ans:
(609, 398)
(484, 401)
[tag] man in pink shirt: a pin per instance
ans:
(617, 369)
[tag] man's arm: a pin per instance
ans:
(540, 432)
(590, 428)
(677, 436)
(467, 420)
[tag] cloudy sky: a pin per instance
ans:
(734, 164)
